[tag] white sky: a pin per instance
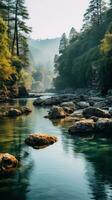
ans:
(51, 18)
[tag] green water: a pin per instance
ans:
(71, 169)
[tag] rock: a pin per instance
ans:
(104, 125)
(38, 102)
(77, 113)
(68, 104)
(68, 110)
(110, 111)
(8, 163)
(22, 92)
(83, 128)
(26, 110)
(83, 104)
(38, 141)
(56, 112)
(92, 111)
(13, 112)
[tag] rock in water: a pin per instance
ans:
(104, 125)
(38, 141)
(97, 112)
(13, 112)
(83, 128)
(8, 163)
(56, 112)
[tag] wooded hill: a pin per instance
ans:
(85, 58)
(13, 43)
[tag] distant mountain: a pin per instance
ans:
(42, 52)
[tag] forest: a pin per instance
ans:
(85, 58)
(14, 51)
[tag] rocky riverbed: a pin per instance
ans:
(90, 115)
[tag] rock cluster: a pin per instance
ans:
(89, 118)
(15, 111)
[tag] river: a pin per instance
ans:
(71, 169)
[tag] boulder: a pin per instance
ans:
(26, 110)
(77, 113)
(83, 128)
(38, 141)
(38, 102)
(97, 112)
(56, 112)
(68, 110)
(8, 163)
(83, 104)
(13, 112)
(104, 125)
(69, 104)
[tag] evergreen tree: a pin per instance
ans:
(94, 14)
(73, 35)
(63, 43)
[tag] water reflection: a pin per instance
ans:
(74, 169)
(98, 156)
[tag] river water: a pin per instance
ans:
(71, 169)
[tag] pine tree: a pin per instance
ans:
(73, 35)
(63, 43)
(94, 14)
(20, 27)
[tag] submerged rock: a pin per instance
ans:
(38, 141)
(8, 163)
(83, 128)
(57, 112)
(97, 112)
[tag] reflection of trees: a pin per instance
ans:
(12, 141)
(98, 155)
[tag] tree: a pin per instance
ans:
(63, 43)
(20, 27)
(73, 35)
(6, 69)
(94, 14)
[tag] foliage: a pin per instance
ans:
(92, 49)
(6, 70)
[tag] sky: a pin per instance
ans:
(51, 18)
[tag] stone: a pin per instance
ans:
(68, 104)
(38, 141)
(83, 128)
(104, 125)
(68, 110)
(13, 112)
(77, 113)
(26, 110)
(56, 112)
(8, 163)
(97, 112)
(38, 102)
(83, 104)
